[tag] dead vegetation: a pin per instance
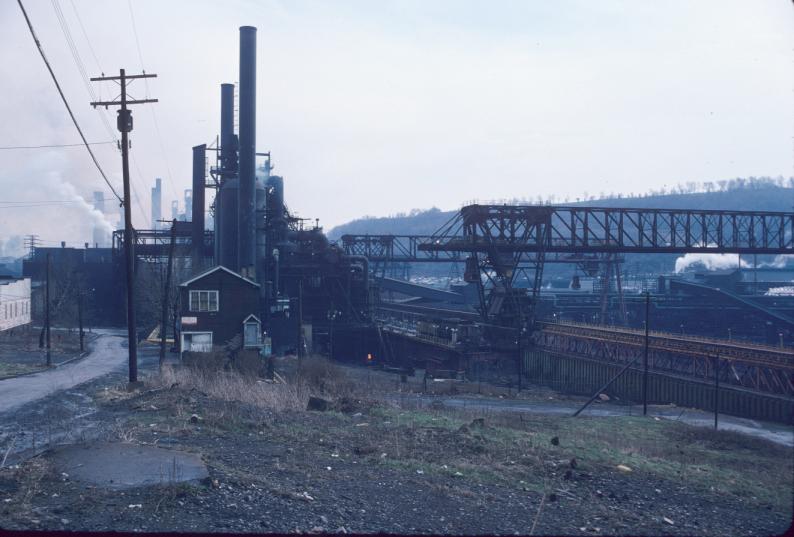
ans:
(234, 386)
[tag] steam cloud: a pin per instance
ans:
(68, 192)
(709, 261)
(780, 291)
(725, 261)
(780, 261)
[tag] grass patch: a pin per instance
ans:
(510, 450)
(14, 369)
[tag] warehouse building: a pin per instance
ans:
(14, 302)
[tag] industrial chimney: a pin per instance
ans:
(247, 125)
(197, 223)
(226, 200)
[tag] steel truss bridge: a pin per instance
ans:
(756, 367)
(385, 250)
(504, 241)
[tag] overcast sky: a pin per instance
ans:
(380, 107)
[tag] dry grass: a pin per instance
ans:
(233, 386)
(323, 377)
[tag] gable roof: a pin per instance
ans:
(252, 316)
(215, 269)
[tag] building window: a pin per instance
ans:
(203, 300)
(196, 341)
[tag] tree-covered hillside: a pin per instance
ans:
(760, 194)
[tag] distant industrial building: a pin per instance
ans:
(188, 216)
(93, 267)
(14, 302)
(157, 203)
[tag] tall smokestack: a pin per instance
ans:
(197, 223)
(246, 193)
(157, 203)
(228, 141)
(226, 213)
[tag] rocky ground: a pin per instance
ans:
(373, 462)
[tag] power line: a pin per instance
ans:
(151, 108)
(65, 102)
(85, 34)
(103, 113)
(33, 205)
(52, 201)
(6, 147)
(79, 62)
(81, 68)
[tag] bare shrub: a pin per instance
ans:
(248, 363)
(322, 376)
(205, 361)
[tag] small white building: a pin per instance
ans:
(14, 302)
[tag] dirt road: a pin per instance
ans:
(106, 356)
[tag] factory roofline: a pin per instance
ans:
(214, 269)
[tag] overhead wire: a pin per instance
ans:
(151, 108)
(85, 34)
(87, 82)
(48, 146)
(65, 102)
(80, 64)
(51, 201)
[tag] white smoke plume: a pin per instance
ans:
(68, 192)
(709, 262)
(14, 246)
(780, 261)
(787, 290)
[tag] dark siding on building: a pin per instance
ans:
(237, 299)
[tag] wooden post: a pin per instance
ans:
(716, 389)
(645, 357)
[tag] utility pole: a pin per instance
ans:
(47, 311)
(166, 291)
(300, 322)
(124, 124)
(80, 315)
(645, 357)
(716, 389)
